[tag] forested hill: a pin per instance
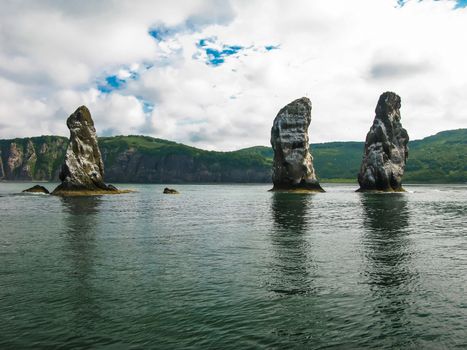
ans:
(439, 158)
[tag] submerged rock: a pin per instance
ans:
(37, 189)
(83, 169)
(293, 162)
(386, 148)
(170, 191)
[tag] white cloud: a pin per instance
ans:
(340, 53)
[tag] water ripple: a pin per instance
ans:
(234, 266)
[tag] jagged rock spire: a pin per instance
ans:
(386, 148)
(83, 168)
(293, 162)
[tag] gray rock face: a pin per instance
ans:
(29, 161)
(293, 163)
(386, 148)
(14, 159)
(83, 169)
(21, 159)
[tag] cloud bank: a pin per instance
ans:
(213, 74)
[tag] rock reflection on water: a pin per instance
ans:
(386, 243)
(293, 266)
(388, 266)
(80, 235)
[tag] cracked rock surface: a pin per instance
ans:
(293, 162)
(83, 168)
(386, 150)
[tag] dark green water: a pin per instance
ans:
(233, 267)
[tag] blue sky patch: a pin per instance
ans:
(205, 42)
(217, 57)
(271, 47)
(459, 3)
(110, 84)
(215, 53)
(113, 82)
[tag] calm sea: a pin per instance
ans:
(234, 267)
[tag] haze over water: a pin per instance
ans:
(234, 266)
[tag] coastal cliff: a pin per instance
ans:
(440, 158)
(35, 158)
(146, 159)
(139, 159)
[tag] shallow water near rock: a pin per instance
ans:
(234, 266)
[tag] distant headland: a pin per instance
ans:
(440, 158)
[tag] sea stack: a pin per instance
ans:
(386, 148)
(82, 172)
(293, 163)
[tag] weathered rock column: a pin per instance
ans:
(386, 148)
(83, 169)
(293, 163)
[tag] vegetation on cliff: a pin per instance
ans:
(441, 158)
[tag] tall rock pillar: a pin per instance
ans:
(293, 162)
(386, 148)
(83, 168)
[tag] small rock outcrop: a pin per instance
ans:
(83, 169)
(293, 163)
(170, 191)
(386, 148)
(37, 189)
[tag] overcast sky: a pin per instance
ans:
(214, 73)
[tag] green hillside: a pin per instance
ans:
(438, 158)
(160, 148)
(441, 158)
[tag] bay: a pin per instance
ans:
(234, 266)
